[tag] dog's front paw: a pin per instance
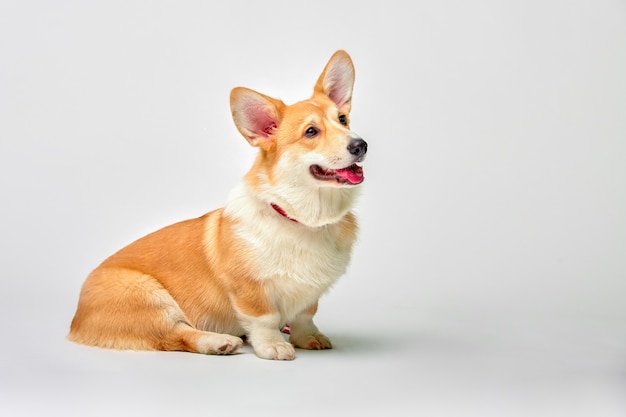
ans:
(282, 351)
(316, 341)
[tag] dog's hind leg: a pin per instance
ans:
(186, 338)
(126, 309)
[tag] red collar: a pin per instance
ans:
(282, 212)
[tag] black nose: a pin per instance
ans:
(357, 147)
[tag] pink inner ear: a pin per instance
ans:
(260, 120)
(339, 96)
(270, 129)
(338, 85)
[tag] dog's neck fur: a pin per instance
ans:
(311, 208)
(319, 207)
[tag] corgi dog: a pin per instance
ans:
(259, 263)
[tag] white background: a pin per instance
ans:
(489, 278)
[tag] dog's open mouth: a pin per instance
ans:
(352, 174)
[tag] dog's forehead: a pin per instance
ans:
(322, 108)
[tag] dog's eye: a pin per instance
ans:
(311, 132)
(343, 120)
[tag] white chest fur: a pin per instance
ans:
(296, 263)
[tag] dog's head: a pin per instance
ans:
(306, 150)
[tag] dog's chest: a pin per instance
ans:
(296, 264)
(306, 256)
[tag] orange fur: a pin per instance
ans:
(200, 284)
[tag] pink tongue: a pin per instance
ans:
(353, 174)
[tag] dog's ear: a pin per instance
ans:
(255, 115)
(337, 80)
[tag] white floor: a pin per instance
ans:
(459, 366)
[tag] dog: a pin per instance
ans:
(259, 263)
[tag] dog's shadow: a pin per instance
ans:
(345, 344)
(360, 343)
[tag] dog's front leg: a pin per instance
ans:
(304, 333)
(265, 337)
(261, 319)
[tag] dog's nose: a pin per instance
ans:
(357, 147)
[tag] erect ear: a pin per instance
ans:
(337, 80)
(255, 115)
